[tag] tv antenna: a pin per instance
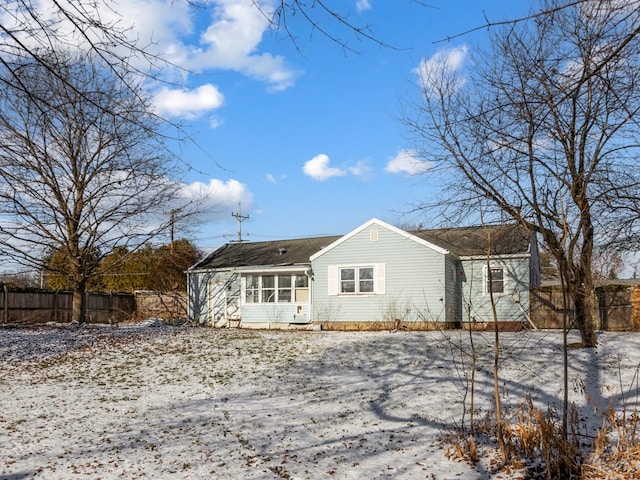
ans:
(240, 218)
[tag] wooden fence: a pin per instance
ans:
(35, 306)
(619, 306)
(170, 306)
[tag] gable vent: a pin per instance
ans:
(373, 235)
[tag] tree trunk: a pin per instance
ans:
(79, 311)
(587, 312)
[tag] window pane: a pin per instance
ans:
(348, 274)
(365, 273)
(347, 280)
(252, 281)
(497, 280)
(302, 281)
(366, 286)
(348, 287)
(268, 281)
(252, 289)
(284, 281)
(252, 296)
(284, 295)
(268, 296)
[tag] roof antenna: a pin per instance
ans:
(240, 218)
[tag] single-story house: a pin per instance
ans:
(377, 276)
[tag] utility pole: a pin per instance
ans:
(240, 218)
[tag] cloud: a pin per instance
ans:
(220, 197)
(407, 162)
(271, 178)
(231, 42)
(318, 168)
(445, 63)
(361, 169)
(219, 34)
(188, 104)
(362, 5)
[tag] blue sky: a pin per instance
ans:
(307, 137)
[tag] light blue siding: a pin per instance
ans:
(268, 313)
(213, 296)
(510, 304)
(414, 280)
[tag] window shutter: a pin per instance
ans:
(332, 280)
(379, 275)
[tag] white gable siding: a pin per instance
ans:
(410, 279)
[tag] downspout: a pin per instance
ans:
(309, 274)
(189, 312)
(516, 300)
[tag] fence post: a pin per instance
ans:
(5, 310)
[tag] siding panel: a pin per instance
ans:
(414, 280)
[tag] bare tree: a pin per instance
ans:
(82, 165)
(543, 129)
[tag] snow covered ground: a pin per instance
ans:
(153, 401)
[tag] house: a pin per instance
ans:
(377, 276)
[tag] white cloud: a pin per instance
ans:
(318, 168)
(360, 169)
(188, 104)
(171, 29)
(362, 5)
(407, 162)
(275, 180)
(231, 42)
(445, 63)
(220, 197)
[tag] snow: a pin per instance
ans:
(158, 401)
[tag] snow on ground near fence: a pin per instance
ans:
(153, 401)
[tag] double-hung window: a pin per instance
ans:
(494, 280)
(356, 280)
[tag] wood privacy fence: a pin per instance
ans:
(619, 306)
(35, 306)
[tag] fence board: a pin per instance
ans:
(34, 306)
(619, 306)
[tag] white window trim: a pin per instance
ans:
(276, 289)
(333, 279)
(485, 280)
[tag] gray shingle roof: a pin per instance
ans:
(465, 241)
(272, 253)
(507, 239)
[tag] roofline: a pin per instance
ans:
(495, 255)
(255, 268)
(380, 223)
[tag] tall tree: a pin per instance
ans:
(543, 129)
(82, 165)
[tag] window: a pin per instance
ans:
(353, 280)
(284, 288)
(302, 289)
(276, 288)
(356, 280)
(253, 289)
(494, 281)
(268, 289)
